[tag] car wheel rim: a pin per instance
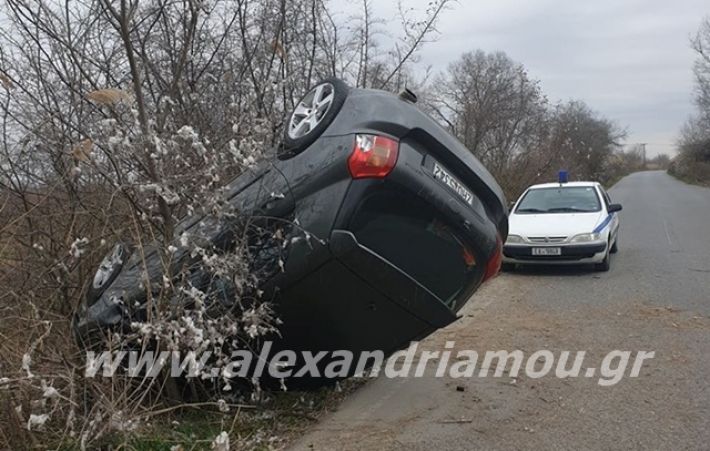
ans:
(108, 266)
(311, 110)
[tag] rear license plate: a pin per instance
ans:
(452, 183)
(547, 251)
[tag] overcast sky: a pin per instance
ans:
(628, 59)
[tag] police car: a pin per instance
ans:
(562, 223)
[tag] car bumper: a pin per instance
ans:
(569, 254)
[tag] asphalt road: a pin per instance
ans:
(655, 298)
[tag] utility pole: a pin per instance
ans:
(643, 153)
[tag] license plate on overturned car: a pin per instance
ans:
(452, 183)
(547, 251)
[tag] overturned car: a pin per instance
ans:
(405, 224)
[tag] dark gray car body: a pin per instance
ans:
(334, 292)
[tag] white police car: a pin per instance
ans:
(562, 223)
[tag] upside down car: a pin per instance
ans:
(406, 225)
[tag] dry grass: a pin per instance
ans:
(42, 366)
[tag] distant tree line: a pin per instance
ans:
(693, 160)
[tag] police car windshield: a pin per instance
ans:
(563, 199)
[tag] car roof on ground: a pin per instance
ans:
(562, 185)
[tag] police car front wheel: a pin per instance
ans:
(605, 264)
(615, 246)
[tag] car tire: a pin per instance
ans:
(507, 267)
(605, 264)
(615, 246)
(313, 114)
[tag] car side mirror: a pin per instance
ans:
(614, 208)
(510, 206)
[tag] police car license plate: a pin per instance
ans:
(547, 251)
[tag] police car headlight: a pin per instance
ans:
(514, 239)
(586, 237)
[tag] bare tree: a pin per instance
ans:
(503, 117)
(583, 141)
(701, 44)
(693, 161)
(489, 102)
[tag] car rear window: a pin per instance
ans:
(408, 233)
(563, 199)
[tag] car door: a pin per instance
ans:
(614, 226)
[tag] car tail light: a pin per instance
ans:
(373, 156)
(493, 265)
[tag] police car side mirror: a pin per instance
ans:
(614, 208)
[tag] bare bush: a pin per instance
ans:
(119, 119)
